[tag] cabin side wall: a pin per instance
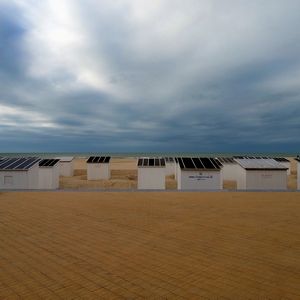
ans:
(241, 178)
(151, 178)
(98, 171)
(298, 175)
(170, 168)
(230, 171)
(266, 179)
(67, 168)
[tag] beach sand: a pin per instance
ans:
(124, 176)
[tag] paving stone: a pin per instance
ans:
(113, 245)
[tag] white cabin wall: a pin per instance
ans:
(67, 168)
(98, 171)
(189, 179)
(241, 178)
(230, 171)
(33, 177)
(298, 175)
(151, 178)
(266, 179)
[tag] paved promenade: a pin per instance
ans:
(149, 245)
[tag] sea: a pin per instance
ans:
(143, 154)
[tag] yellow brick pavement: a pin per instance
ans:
(135, 245)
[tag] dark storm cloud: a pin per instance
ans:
(12, 58)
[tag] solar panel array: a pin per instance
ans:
(48, 162)
(65, 158)
(151, 162)
(278, 159)
(281, 159)
(19, 163)
(251, 157)
(260, 164)
(169, 159)
(199, 163)
(228, 160)
(98, 159)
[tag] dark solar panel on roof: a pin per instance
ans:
(197, 162)
(28, 163)
(21, 163)
(229, 160)
(169, 159)
(188, 163)
(48, 162)
(151, 162)
(98, 159)
(180, 162)
(208, 163)
(281, 159)
(90, 159)
(16, 162)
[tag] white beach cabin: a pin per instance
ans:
(199, 173)
(98, 168)
(19, 173)
(261, 174)
(49, 174)
(170, 166)
(151, 173)
(298, 172)
(66, 165)
(229, 170)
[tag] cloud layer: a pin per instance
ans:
(137, 75)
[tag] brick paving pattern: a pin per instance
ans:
(149, 245)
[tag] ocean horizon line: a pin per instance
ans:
(146, 154)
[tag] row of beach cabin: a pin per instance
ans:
(192, 173)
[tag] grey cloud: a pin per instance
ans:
(208, 86)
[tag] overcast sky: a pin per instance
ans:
(159, 75)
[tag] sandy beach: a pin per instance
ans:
(124, 176)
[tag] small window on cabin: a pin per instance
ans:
(8, 180)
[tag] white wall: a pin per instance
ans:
(98, 171)
(262, 179)
(22, 179)
(196, 179)
(33, 177)
(49, 177)
(241, 178)
(170, 168)
(66, 168)
(287, 165)
(298, 175)
(151, 178)
(229, 171)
